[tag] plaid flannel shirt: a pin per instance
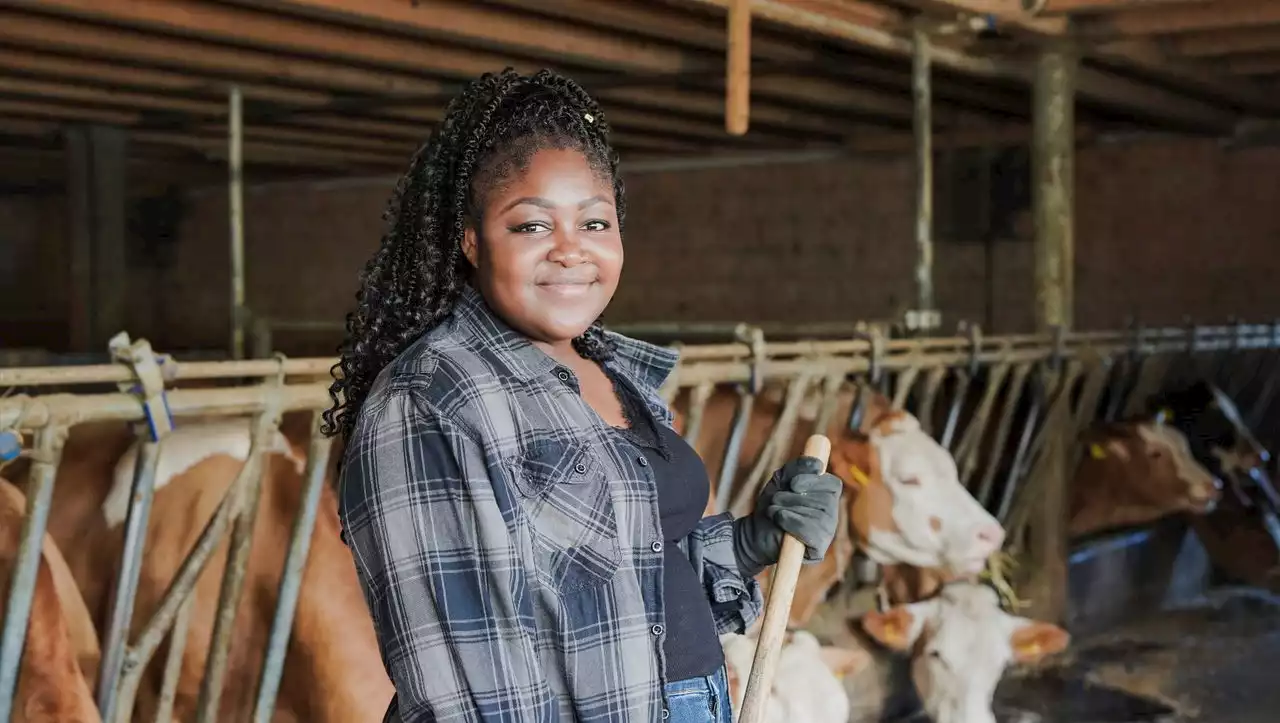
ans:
(507, 539)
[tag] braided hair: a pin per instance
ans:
(490, 131)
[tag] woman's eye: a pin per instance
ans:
(531, 227)
(596, 225)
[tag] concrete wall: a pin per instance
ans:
(1165, 230)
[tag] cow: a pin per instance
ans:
(961, 642)
(806, 685)
(333, 671)
(1133, 473)
(1241, 535)
(61, 653)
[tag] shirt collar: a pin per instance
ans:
(648, 364)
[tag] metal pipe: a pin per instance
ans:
(1016, 469)
(135, 536)
(922, 121)
(963, 380)
(233, 575)
(697, 410)
(778, 444)
(905, 381)
(966, 451)
(733, 449)
(1003, 426)
(22, 585)
(235, 209)
(173, 662)
(932, 384)
(291, 581)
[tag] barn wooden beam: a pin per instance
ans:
(480, 26)
(1053, 207)
(241, 64)
(1155, 59)
(1228, 42)
(1063, 7)
(737, 80)
(923, 133)
(1199, 17)
(1261, 64)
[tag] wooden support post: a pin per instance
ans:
(96, 203)
(235, 209)
(922, 117)
(737, 112)
(1053, 151)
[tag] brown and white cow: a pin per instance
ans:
(807, 684)
(61, 654)
(1136, 472)
(333, 671)
(961, 642)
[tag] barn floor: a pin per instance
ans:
(1212, 660)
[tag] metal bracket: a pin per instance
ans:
(923, 319)
(754, 336)
(149, 381)
(975, 347)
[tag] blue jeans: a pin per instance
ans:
(698, 700)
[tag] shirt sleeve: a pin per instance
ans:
(440, 569)
(736, 601)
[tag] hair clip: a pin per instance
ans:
(590, 118)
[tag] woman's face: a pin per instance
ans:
(548, 253)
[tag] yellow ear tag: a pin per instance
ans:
(1164, 415)
(1097, 452)
(860, 478)
(1029, 649)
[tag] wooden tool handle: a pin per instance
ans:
(777, 610)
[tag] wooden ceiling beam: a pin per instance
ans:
(1081, 7)
(77, 38)
(504, 32)
(1259, 64)
(1227, 42)
(1200, 17)
(55, 112)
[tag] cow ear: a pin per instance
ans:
(897, 627)
(1116, 448)
(844, 661)
(1032, 640)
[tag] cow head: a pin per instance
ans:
(806, 685)
(1216, 433)
(960, 643)
(1135, 473)
(908, 504)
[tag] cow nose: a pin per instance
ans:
(992, 535)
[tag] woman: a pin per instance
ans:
(524, 522)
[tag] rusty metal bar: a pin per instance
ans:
(22, 584)
(294, 565)
(235, 209)
(1053, 168)
(922, 121)
(233, 577)
(737, 82)
(135, 536)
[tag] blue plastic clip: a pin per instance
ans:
(10, 445)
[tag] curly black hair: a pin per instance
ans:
(489, 131)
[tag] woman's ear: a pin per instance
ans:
(471, 244)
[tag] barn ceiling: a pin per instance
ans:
(337, 87)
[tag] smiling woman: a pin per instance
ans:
(526, 526)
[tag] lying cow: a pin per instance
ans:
(806, 685)
(62, 651)
(1133, 473)
(333, 671)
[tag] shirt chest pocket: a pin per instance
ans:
(565, 496)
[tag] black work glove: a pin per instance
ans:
(801, 499)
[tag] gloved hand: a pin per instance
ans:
(801, 499)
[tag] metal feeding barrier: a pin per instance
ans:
(1003, 405)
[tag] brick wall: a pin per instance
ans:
(1165, 229)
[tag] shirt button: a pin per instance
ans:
(642, 461)
(580, 468)
(665, 714)
(564, 375)
(657, 630)
(656, 547)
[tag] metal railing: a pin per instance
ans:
(1038, 390)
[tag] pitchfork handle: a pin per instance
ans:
(778, 608)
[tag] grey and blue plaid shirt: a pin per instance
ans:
(507, 538)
